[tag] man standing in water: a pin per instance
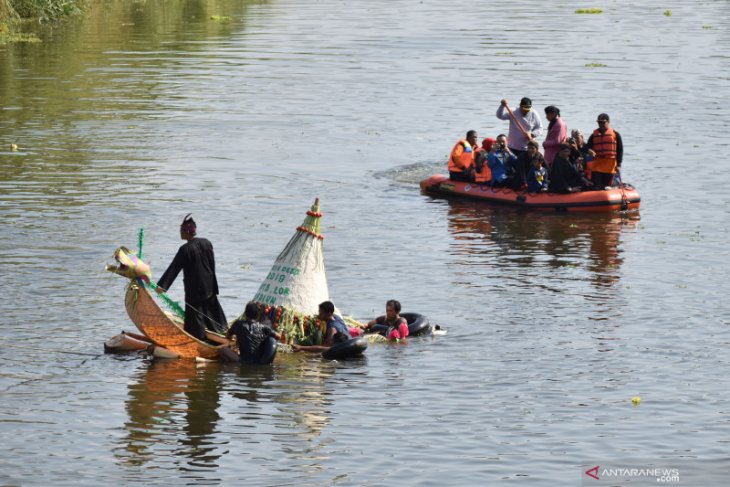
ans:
(195, 258)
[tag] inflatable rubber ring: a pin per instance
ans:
(350, 348)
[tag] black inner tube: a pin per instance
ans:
(349, 348)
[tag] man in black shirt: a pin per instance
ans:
(197, 261)
(251, 336)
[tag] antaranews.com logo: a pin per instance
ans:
(610, 474)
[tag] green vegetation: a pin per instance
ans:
(668, 13)
(12, 12)
(589, 11)
(595, 65)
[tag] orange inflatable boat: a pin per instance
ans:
(615, 199)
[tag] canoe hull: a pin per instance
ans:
(609, 200)
(161, 329)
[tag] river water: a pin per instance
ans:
(243, 113)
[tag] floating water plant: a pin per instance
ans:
(589, 11)
(668, 13)
(220, 18)
(18, 37)
(595, 65)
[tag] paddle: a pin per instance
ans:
(519, 125)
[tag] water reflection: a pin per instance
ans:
(189, 417)
(170, 397)
(519, 240)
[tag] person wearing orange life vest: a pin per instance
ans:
(461, 160)
(607, 149)
(482, 173)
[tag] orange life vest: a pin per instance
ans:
(604, 145)
(462, 156)
(485, 174)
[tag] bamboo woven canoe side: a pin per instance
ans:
(160, 328)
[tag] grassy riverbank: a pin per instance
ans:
(13, 12)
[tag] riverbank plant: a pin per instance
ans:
(41, 9)
(13, 12)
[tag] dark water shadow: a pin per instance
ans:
(515, 238)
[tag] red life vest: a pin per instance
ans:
(604, 145)
(462, 156)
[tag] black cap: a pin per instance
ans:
(525, 102)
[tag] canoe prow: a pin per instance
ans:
(162, 329)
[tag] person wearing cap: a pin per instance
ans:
(196, 260)
(523, 127)
(461, 159)
(607, 149)
(557, 132)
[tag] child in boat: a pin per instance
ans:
(537, 176)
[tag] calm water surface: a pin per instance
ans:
(145, 111)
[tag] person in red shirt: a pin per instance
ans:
(392, 325)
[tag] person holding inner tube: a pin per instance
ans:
(396, 327)
(250, 335)
(338, 337)
(334, 323)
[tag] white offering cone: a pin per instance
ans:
(297, 281)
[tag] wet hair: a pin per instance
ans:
(395, 304)
(552, 109)
(340, 337)
(252, 311)
(327, 306)
(471, 133)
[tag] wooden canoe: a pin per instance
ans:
(164, 329)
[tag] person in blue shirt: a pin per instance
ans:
(500, 161)
(334, 323)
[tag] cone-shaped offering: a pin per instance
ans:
(297, 280)
(297, 283)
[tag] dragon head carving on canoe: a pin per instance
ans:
(130, 266)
